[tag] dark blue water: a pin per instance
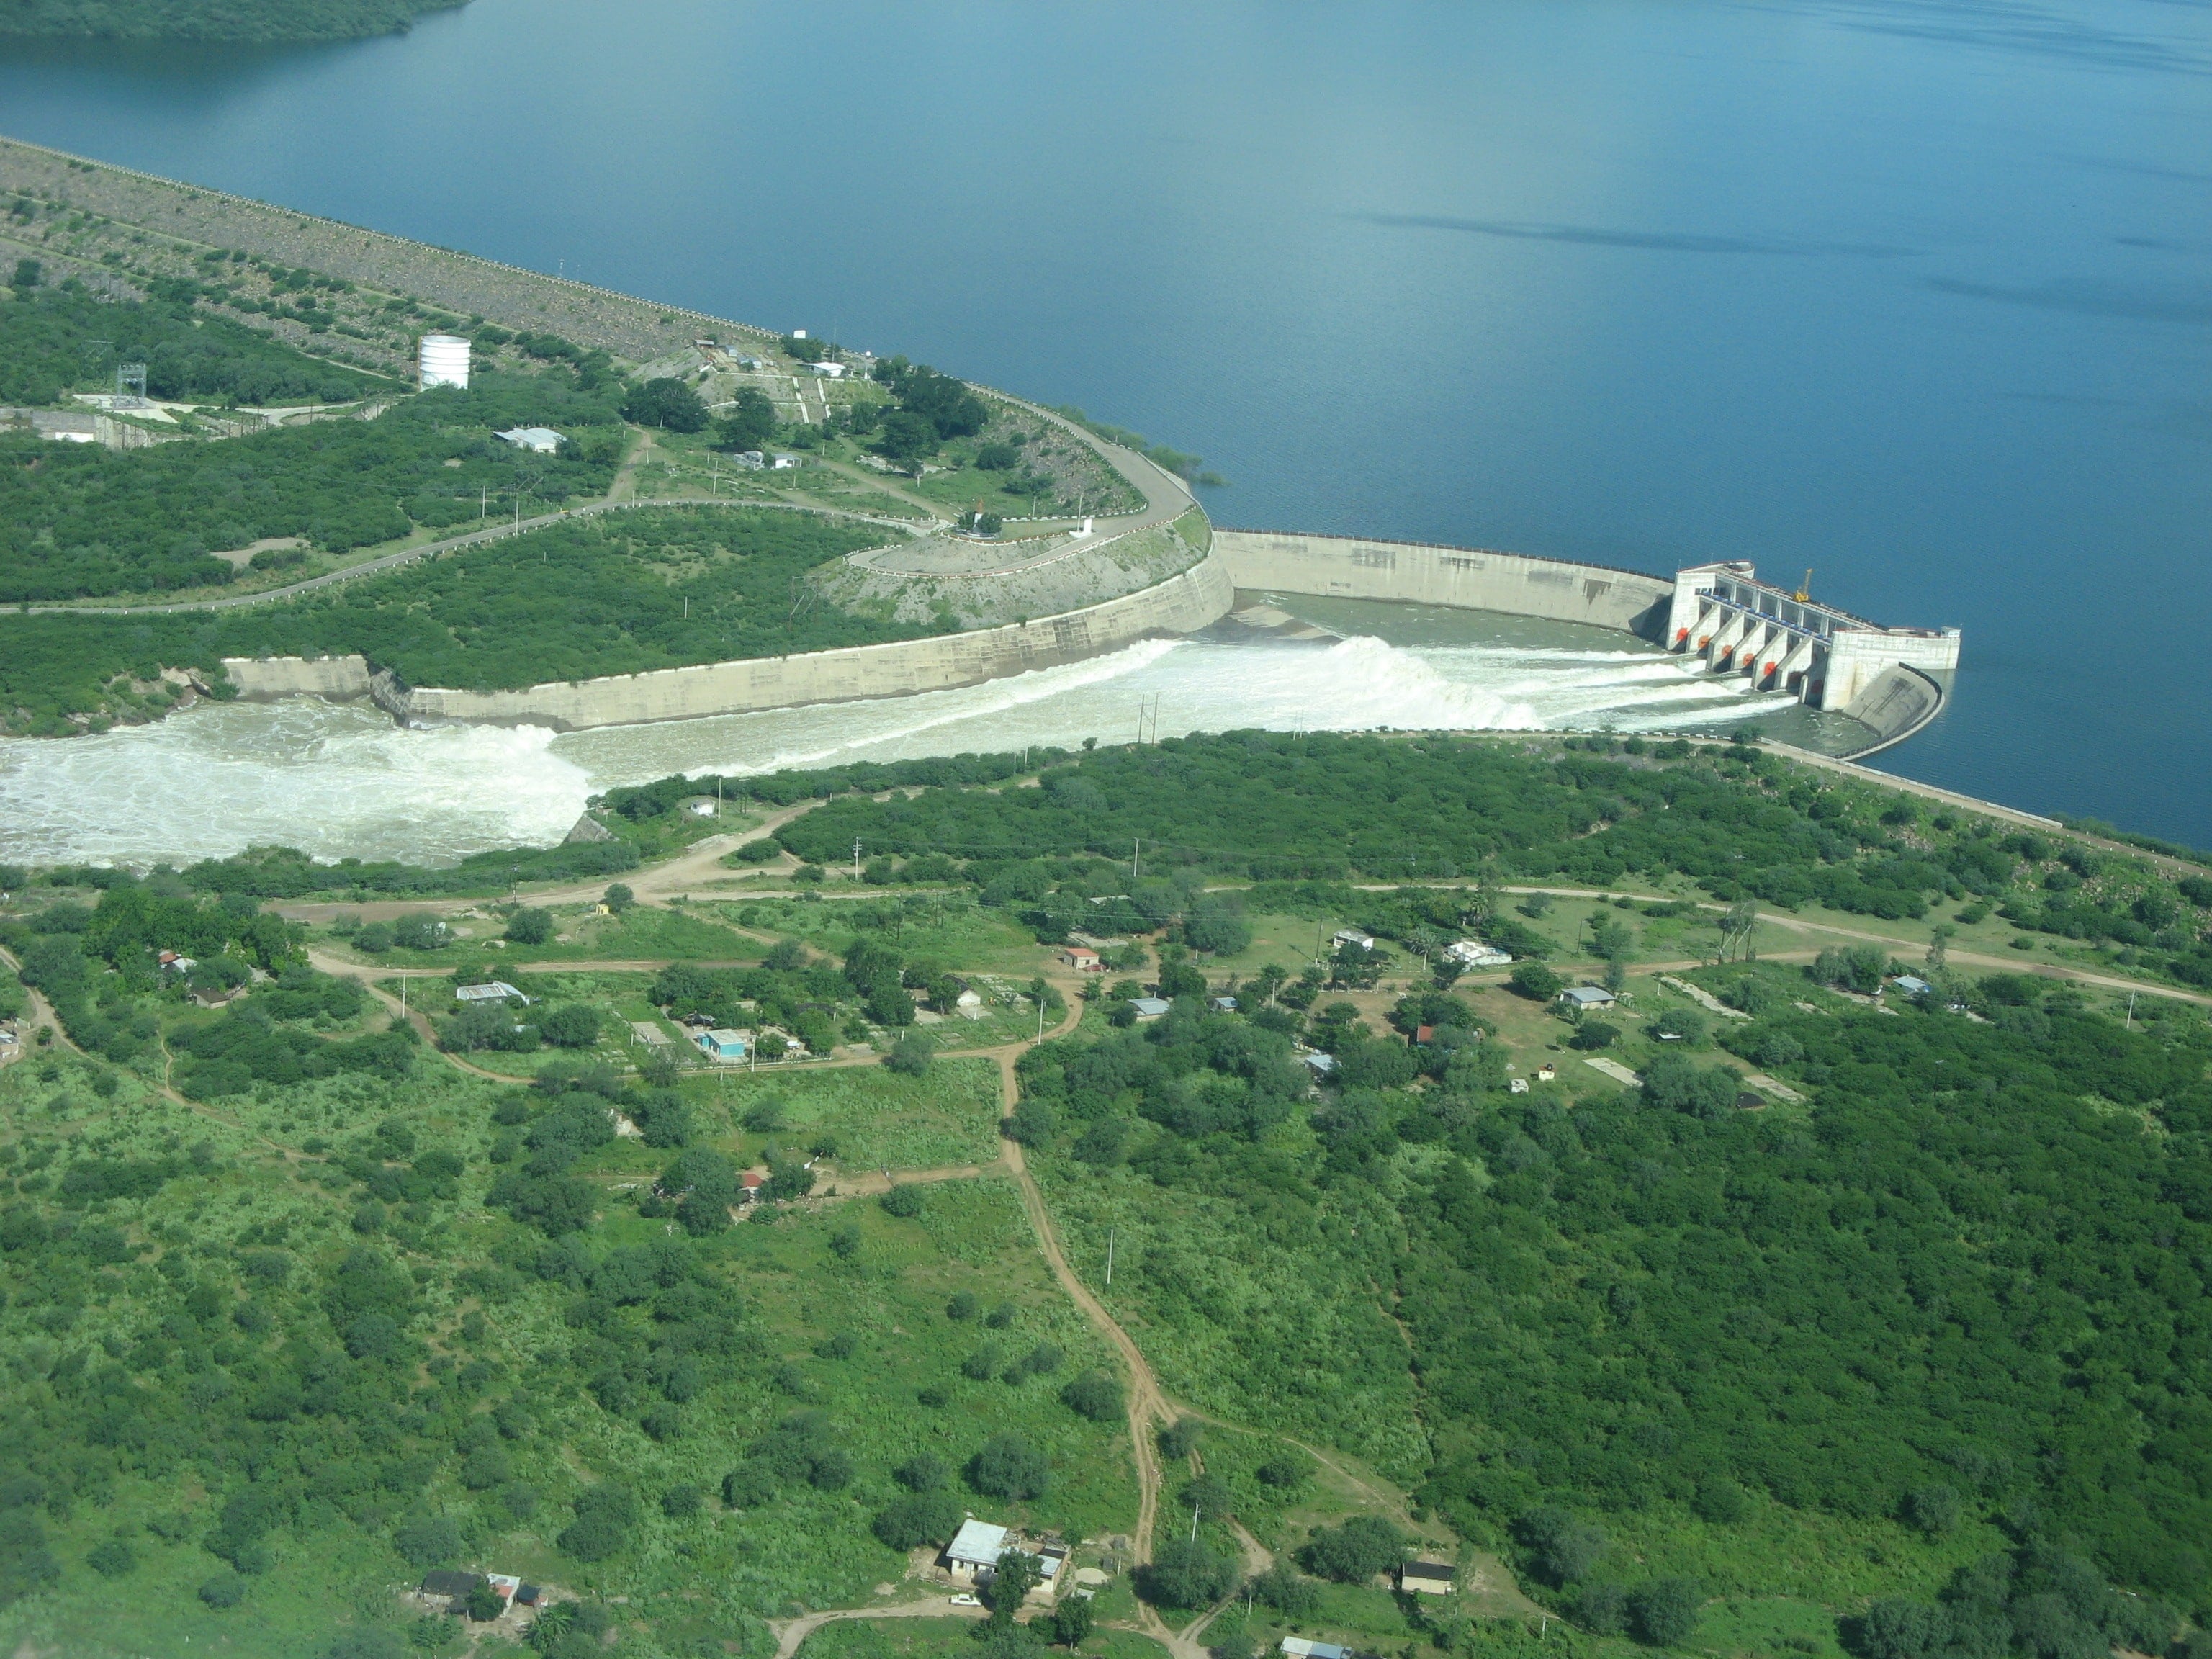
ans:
(1918, 294)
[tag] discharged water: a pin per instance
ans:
(339, 778)
(1917, 292)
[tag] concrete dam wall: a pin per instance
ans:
(1473, 579)
(1182, 604)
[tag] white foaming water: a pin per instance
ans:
(341, 779)
(333, 780)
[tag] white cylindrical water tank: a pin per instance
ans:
(445, 360)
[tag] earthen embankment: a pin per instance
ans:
(1182, 604)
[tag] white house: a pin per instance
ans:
(1587, 996)
(974, 1550)
(538, 439)
(1473, 953)
(781, 463)
(1353, 936)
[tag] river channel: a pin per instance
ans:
(341, 778)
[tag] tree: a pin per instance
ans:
(919, 1518)
(1354, 1552)
(1180, 1438)
(1535, 981)
(1216, 925)
(1186, 1574)
(424, 1541)
(665, 403)
(1017, 1574)
(1933, 1509)
(1034, 1123)
(530, 927)
(576, 1025)
(911, 1055)
(606, 1516)
(1286, 1591)
(1093, 1395)
(905, 1201)
(1007, 1465)
(1563, 1548)
(619, 899)
(748, 423)
(907, 437)
(1718, 1499)
(1594, 1033)
(1673, 1083)
(483, 1602)
(1736, 928)
(1069, 1622)
(1665, 1610)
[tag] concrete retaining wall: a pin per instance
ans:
(1182, 604)
(262, 679)
(1475, 578)
(1898, 702)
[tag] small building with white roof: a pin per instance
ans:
(974, 1549)
(538, 439)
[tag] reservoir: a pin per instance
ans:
(1915, 294)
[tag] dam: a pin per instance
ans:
(1887, 682)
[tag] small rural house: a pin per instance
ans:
(1518, 1086)
(721, 1043)
(1320, 1065)
(1150, 1007)
(1473, 953)
(974, 1550)
(782, 463)
(1300, 1647)
(750, 1184)
(1425, 1578)
(538, 439)
(1547, 1073)
(1223, 1005)
(497, 991)
(1353, 936)
(1587, 997)
(1912, 985)
(752, 460)
(969, 1004)
(1083, 959)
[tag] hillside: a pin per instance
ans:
(1823, 1321)
(259, 21)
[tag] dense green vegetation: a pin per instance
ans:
(213, 20)
(655, 587)
(366, 1316)
(54, 341)
(1913, 1337)
(77, 520)
(1966, 1286)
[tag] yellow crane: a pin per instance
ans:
(1805, 588)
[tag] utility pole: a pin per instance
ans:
(1194, 1523)
(1134, 852)
(856, 858)
(1109, 1258)
(2131, 1012)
